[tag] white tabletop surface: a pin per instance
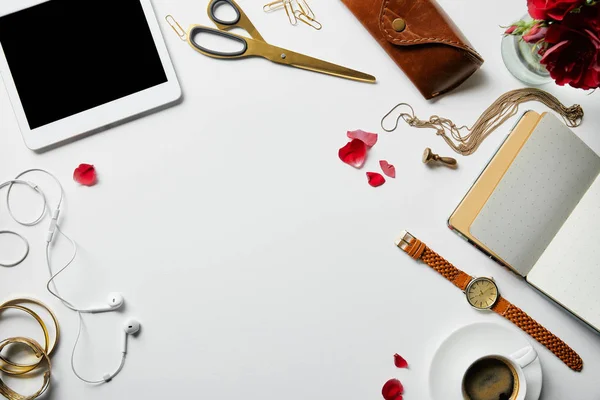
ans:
(260, 265)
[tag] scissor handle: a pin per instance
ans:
(241, 20)
(214, 4)
(198, 29)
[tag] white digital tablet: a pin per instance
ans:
(74, 67)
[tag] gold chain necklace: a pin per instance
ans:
(465, 140)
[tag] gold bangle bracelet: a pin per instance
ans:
(8, 366)
(26, 300)
(40, 353)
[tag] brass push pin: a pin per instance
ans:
(429, 156)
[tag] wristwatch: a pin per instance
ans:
(482, 293)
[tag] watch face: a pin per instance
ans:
(482, 293)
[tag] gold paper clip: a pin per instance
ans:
(289, 10)
(176, 27)
(308, 20)
(295, 10)
(276, 5)
(306, 10)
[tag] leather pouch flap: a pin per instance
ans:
(426, 23)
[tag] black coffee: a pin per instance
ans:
(490, 379)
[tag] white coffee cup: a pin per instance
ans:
(517, 362)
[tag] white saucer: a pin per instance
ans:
(469, 343)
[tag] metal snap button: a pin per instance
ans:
(399, 25)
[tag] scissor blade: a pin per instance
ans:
(298, 60)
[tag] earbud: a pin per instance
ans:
(114, 300)
(131, 327)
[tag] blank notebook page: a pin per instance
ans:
(569, 269)
(539, 191)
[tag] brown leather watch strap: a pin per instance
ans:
(518, 317)
(418, 250)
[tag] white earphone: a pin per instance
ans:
(131, 327)
(114, 300)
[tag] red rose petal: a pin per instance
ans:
(388, 169)
(375, 179)
(85, 174)
(399, 361)
(354, 153)
(366, 137)
(392, 390)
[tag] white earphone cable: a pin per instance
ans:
(107, 377)
(21, 237)
(45, 208)
(54, 226)
(52, 230)
(25, 253)
(53, 276)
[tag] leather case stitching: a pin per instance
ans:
(394, 40)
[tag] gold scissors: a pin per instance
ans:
(256, 46)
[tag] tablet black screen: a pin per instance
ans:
(68, 56)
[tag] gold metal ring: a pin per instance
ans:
(19, 369)
(41, 354)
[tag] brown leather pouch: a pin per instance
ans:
(422, 40)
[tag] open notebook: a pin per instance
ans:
(536, 209)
